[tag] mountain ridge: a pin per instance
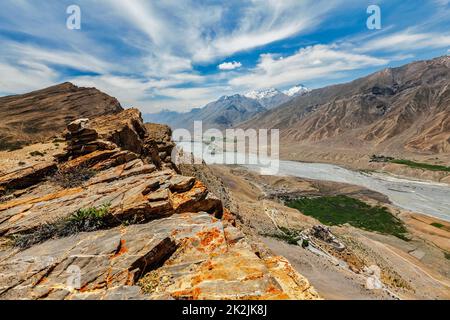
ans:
(38, 115)
(405, 107)
(228, 111)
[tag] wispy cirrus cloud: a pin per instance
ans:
(174, 54)
(308, 63)
(407, 40)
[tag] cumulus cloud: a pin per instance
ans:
(229, 65)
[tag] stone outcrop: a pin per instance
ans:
(324, 233)
(26, 177)
(40, 115)
(125, 131)
(165, 236)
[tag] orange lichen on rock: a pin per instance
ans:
(210, 239)
(121, 249)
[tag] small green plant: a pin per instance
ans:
(437, 225)
(83, 220)
(90, 218)
(305, 243)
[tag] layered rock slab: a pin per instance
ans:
(185, 256)
(165, 235)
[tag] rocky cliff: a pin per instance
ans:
(112, 218)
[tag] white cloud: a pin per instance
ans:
(146, 52)
(168, 38)
(407, 41)
(24, 77)
(311, 63)
(198, 32)
(74, 59)
(154, 95)
(229, 65)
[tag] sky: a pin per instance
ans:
(181, 54)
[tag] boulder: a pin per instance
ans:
(77, 125)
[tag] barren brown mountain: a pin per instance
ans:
(39, 115)
(405, 109)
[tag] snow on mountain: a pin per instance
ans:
(268, 98)
(297, 91)
(262, 94)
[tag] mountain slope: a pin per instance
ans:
(221, 114)
(228, 111)
(406, 108)
(297, 91)
(39, 115)
(269, 98)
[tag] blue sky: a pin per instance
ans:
(180, 54)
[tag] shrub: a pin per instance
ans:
(37, 154)
(305, 243)
(437, 225)
(72, 178)
(83, 220)
(89, 219)
(286, 235)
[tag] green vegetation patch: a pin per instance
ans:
(412, 164)
(338, 210)
(286, 235)
(437, 225)
(83, 220)
(420, 165)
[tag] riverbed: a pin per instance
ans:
(429, 198)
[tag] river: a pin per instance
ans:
(429, 198)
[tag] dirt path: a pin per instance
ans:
(332, 282)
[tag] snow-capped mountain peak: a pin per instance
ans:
(297, 90)
(262, 94)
